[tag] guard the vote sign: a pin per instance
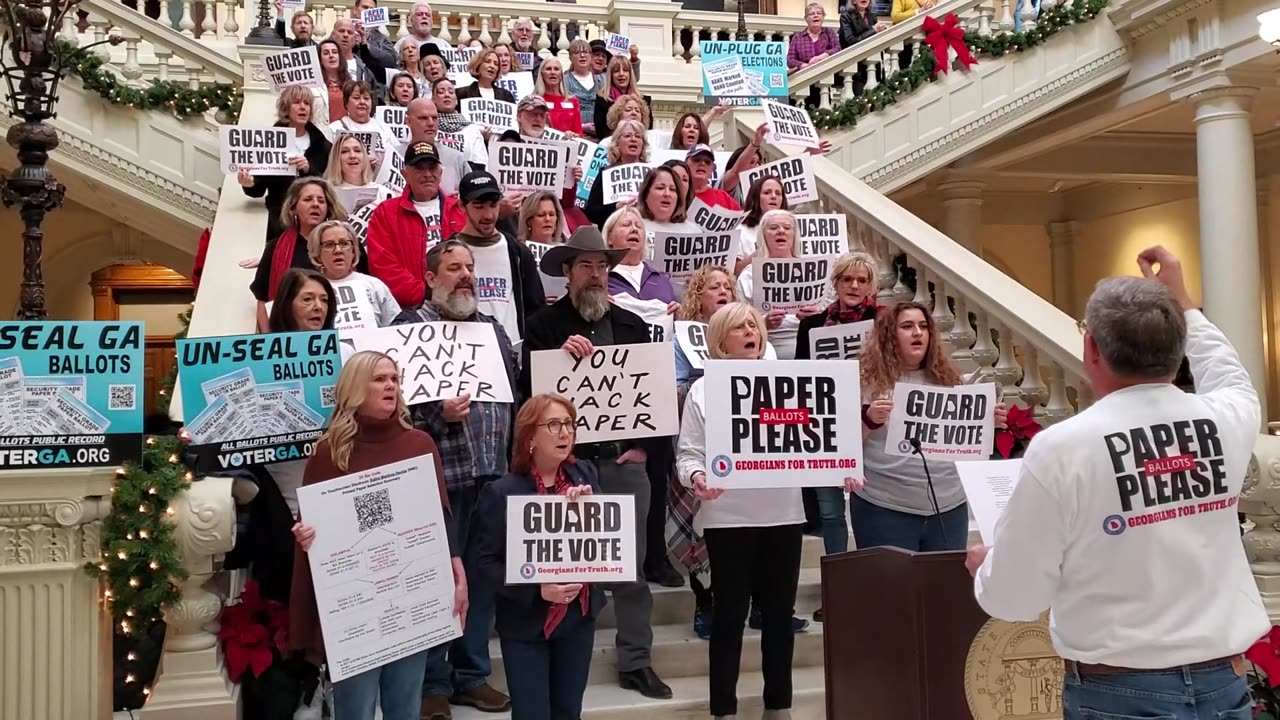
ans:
(782, 423)
(552, 540)
(257, 399)
(798, 181)
(823, 234)
(788, 283)
(259, 151)
(491, 114)
(950, 423)
(790, 125)
(621, 392)
(622, 182)
(681, 255)
(839, 342)
(442, 360)
(691, 336)
(299, 66)
(69, 394)
(525, 167)
(714, 219)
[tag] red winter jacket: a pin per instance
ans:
(564, 114)
(397, 244)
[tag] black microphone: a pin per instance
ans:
(933, 496)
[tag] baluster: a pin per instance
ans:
(209, 25)
(186, 25)
(69, 34)
(464, 31)
(826, 84)
(963, 336)
(1084, 394)
(922, 282)
(1029, 16)
(695, 47)
(131, 70)
(504, 36)
(1007, 370)
(544, 37)
(485, 37)
(444, 27)
(100, 28)
(677, 43)
(984, 20)
(164, 15)
(943, 320)
(318, 14)
(1033, 390)
(193, 75)
(162, 63)
(848, 75)
(984, 352)
(1058, 407)
(891, 61)
(402, 26)
(873, 82)
(1004, 16)
(229, 25)
(888, 280)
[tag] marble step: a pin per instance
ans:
(690, 701)
(678, 653)
(674, 606)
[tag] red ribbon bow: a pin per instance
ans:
(946, 34)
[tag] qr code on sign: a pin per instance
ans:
(373, 510)
(122, 397)
(777, 81)
(327, 396)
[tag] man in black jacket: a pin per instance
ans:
(577, 323)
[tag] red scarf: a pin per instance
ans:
(557, 612)
(281, 260)
(837, 315)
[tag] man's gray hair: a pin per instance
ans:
(1138, 327)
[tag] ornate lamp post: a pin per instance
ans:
(32, 69)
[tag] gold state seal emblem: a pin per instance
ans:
(1012, 672)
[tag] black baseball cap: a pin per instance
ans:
(421, 152)
(477, 186)
(511, 136)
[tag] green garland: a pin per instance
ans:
(168, 96)
(167, 384)
(140, 559)
(1051, 22)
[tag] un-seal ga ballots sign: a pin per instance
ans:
(743, 72)
(782, 423)
(257, 399)
(951, 423)
(69, 394)
(551, 540)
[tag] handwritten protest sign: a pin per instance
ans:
(617, 44)
(592, 158)
(788, 283)
(839, 342)
(299, 66)
(492, 114)
(824, 234)
(527, 167)
(782, 423)
(374, 17)
(260, 151)
(442, 360)
(621, 391)
(518, 83)
(691, 336)
(790, 125)
(714, 219)
(742, 72)
(652, 312)
(551, 540)
(798, 182)
(950, 423)
(681, 255)
(622, 182)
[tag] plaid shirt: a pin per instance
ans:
(804, 48)
(480, 445)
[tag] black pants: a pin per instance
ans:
(764, 563)
(660, 464)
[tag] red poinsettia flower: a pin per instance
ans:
(1266, 655)
(1021, 425)
(251, 630)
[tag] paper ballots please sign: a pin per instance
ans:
(257, 399)
(492, 114)
(374, 17)
(442, 360)
(552, 540)
(260, 151)
(839, 342)
(824, 234)
(519, 84)
(782, 423)
(621, 392)
(790, 125)
(798, 181)
(526, 167)
(380, 565)
(617, 44)
(682, 255)
(788, 283)
(950, 423)
(70, 394)
(622, 182)
(299, 66)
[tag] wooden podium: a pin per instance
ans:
(897, 629)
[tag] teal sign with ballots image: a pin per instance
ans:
(70, 394)
(741, 72)
(257, 399)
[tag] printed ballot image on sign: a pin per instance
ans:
(552, 540)
(257, 399)
(442, 360)
(782, 423)
(950, 423)
(380, 565)
(621, 392)
(743, 72)
(69, 394)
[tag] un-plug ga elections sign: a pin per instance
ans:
(69, 394)
(257, 399)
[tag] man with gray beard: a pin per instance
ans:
(474, 438)
(578, 323)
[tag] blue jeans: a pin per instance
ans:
(874, 525)
(835, 525)
(1214, 693)
(398, 684)
(547, 677)
(464, 665)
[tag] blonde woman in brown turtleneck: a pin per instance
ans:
(370, 428)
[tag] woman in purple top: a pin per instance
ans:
(816, 43)
(624, 230)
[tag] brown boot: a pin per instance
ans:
(435, 707)
(484, 699)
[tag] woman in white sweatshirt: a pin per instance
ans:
(753, 538)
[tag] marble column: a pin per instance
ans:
(1231, 278)
(1062, 263)
(962, 208)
